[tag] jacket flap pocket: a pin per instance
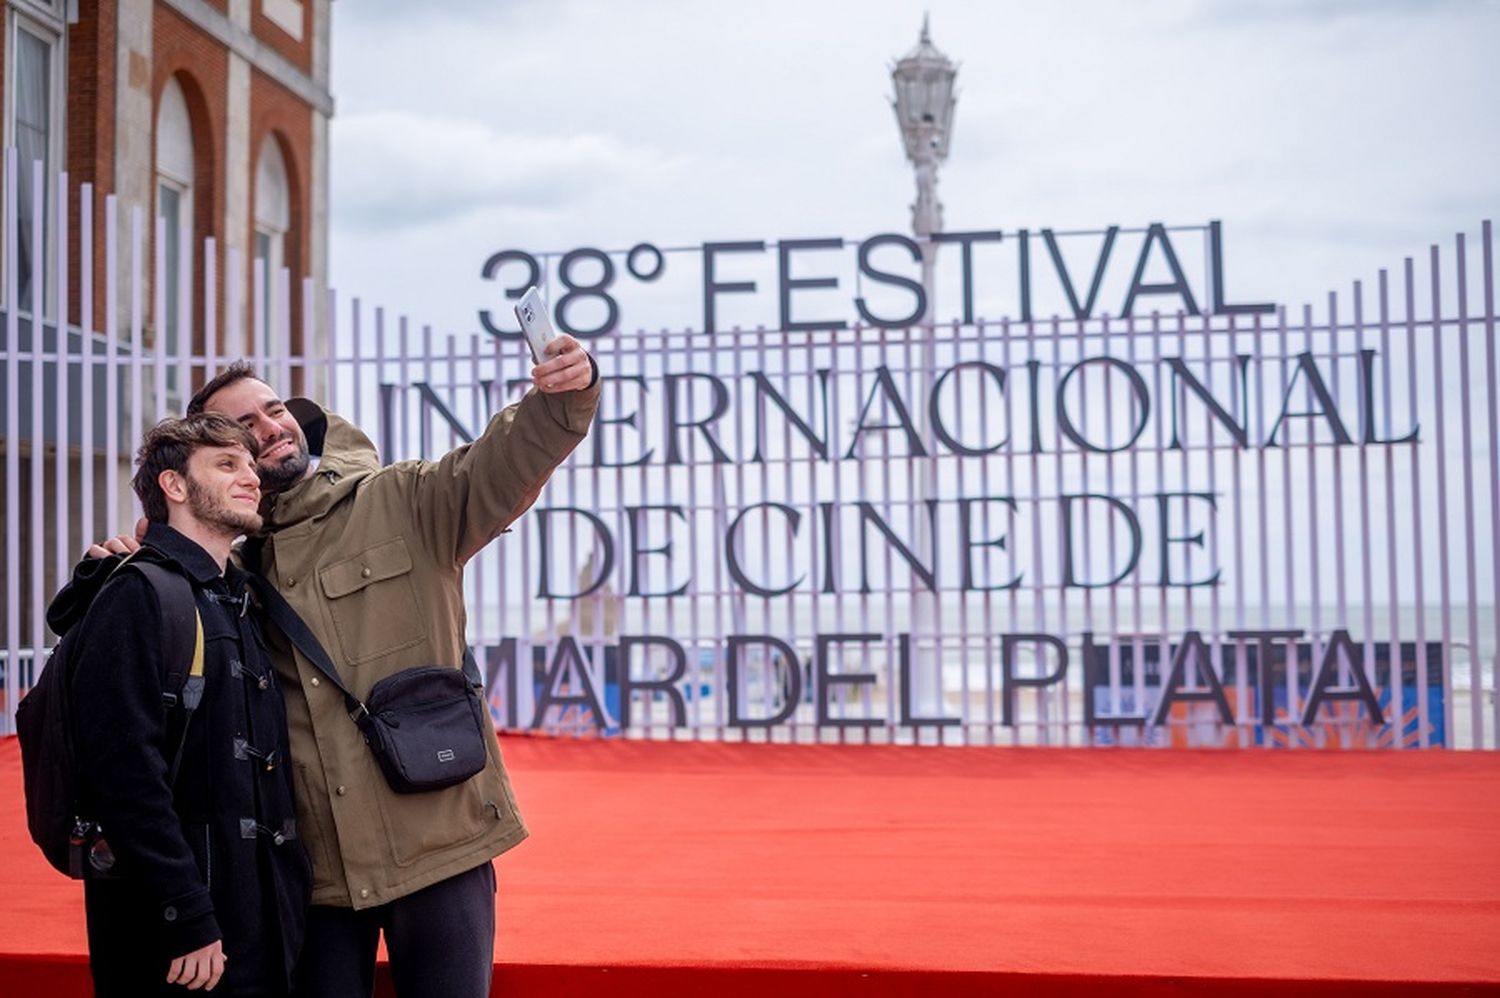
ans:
(383, 561)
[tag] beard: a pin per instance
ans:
(215, 512)
(280, 475)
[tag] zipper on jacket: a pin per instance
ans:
(208, 856)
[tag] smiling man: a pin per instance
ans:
(371, 558)
(200, 880)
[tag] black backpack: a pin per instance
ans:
(69, 839)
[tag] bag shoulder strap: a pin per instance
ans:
(280, 613)
(182, 632)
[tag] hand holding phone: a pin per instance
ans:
(536, 323)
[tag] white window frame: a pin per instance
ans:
(173, 337)
(285, 14)
(274, 231)
(45, 21)
(184, 189)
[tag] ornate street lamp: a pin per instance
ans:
(924, 102)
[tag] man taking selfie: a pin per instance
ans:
(371, 559)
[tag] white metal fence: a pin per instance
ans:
(1276, 530)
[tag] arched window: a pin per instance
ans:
(273, 218)
(174, 205)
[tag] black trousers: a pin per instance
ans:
(441, 942)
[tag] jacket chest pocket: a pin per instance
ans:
(373, 602)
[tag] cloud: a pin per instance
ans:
(396, 169)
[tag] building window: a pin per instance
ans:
(174, 206)
(34, 126)
(285, 14)
(273, 218)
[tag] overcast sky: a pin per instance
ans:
(1332, 137)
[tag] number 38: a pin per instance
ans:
(576, 291)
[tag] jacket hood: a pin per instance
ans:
(346, 457)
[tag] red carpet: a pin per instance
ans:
(670, 869)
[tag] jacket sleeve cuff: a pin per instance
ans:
(574, 410)
(188, 923)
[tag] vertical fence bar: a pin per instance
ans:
(86, 363)
(234, 304)
(38, 539)
(308, 355)
(12, 450)
(1419, 563)
(137, 343)
(283, 302)
(184, 306)
(1366, 547)
(1394, 656)
(62, 459)
(1470, 549)
(210, 314)
(159, 318)
(1493, 425)
(1440, 458)
(111, 367)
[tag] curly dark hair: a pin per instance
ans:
(170, 443)
(238, 371)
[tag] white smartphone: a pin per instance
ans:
(536, 323)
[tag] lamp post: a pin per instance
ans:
(923, 104)
(924, 100)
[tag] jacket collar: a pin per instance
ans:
(346, 458)
(195, 561)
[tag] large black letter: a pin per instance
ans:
(788, 284)
(1179, 283)
(1137, 388)
(1360, 692)
(967, 544)
(1009, 679)
(1367, 412)
(1308, 368)
(884, 382)
(1216, 254)
(764, 389)
(927, 573)
(1070, 577)
(1162, 498)
(721, 406)
(712, 287)
(792, 674)
(543, 518)
(968, 239)
(827, 678)
(1085, 310)
(668, 685)
(881, 277)
(1238, 430)
(637, 551)
(587, 697)
(950, 441)
(1192, 641)
(908, 718)
(601, 421)
(731, 543)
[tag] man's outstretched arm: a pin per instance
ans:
(474, 492)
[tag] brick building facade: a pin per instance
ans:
(212, 112)
(211, 115)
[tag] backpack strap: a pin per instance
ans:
(182, 634)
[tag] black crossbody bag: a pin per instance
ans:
(426, 725)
